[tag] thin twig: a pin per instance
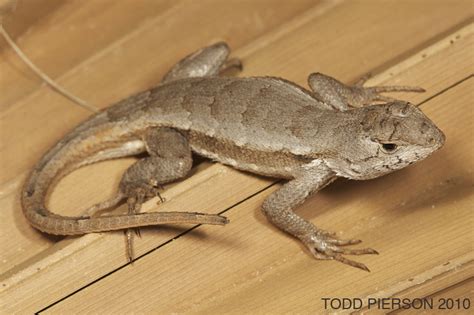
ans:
(43, 76)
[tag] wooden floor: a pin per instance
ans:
(420, 218)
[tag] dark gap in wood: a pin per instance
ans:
(445, 90)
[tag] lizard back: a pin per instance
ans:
(246, 120)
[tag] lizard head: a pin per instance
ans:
(389, 137)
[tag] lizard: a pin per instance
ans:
(264, 125)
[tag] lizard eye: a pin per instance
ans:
(389, 147)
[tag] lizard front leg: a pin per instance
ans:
(344, 97)
(206, 62)
(278, 208)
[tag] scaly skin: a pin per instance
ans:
(263, 125)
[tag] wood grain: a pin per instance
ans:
(419, 218)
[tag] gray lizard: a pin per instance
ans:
(264, 125)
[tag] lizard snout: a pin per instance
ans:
(435, 137)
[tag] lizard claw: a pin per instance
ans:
(137, 232)
(325, 246)
(351, 262)
(162, 199)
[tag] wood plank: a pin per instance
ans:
(456, 298)
(117, 245)
(344, 44)
(426, 284)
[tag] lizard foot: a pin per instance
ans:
(368, 95)
(343, 97)
(137, 195)
(325, 246)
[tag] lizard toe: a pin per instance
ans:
(341, 242)
(325, 247)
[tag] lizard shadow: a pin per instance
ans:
(429, 185)
(397, 195)
(419, 188)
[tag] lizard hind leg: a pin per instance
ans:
(170, 159)
(206, 62)
(343, 97)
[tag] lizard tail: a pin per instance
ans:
(81, 147)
